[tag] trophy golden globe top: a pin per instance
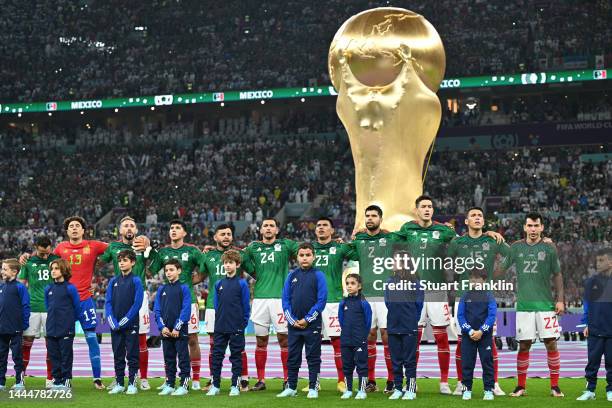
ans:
(386, 65)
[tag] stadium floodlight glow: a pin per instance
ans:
(222, 104)
(152, 107)
(303, 100)
(82, 113)
(263, 102)
(116, 110)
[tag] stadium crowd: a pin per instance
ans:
(92, 49)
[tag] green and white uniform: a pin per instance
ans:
(329, 259)
(429, 244)
(536, 265)
(38, 274)
(269, 263)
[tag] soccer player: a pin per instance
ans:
(304, 297)
(123, 301)
(231, 299)
(190, 258)
(479, 247)
(35, 274)
(598, 331)
(82, 255)
(212, 267)
(427, 240)
(365, 248)
(127, 233)
(537, 312)
(329, 259)
(14, 319)
(268, 261)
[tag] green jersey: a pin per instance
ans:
(270, 265)
(428, 244)
(329, 259)
(212, 266)
(535, 265)
(371, 251)
(38, 274)
(190, 258)
(113, 250)
(470, 253)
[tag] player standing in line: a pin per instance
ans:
(329, 259)
(537, 312)
(366, 247)
(475, 245)
(82, 255)
(36, 275)
(212, 267)
(190, 258)
(268, 261)
(127, 233)
(428, 240)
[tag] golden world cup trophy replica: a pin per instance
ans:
(386, 65)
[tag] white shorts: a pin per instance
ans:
(144, 319)
(266, 313)
(331, 324)
(435, 313)
(38, 324)
(457, 327)
(531, 325)
(209, 319)
(379, 315)
(194, 319)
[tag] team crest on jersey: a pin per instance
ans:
(435, 235)
(50, 292)
(166, 258)
(277, 247)
(33, 264)
(345, 307)
(185, 257)
(541, 256)
(382, 242)
(294, 280)
(86, 250)
(332, 250)
(115, 285)
(220, 287)
(485, 246)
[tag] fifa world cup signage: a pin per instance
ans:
(386, 65)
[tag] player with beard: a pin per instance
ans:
(367, 246)
(212, 268)
(127, 233)
(190, 258)
(268, 261)
(537, 310)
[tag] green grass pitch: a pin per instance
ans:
(84, 395)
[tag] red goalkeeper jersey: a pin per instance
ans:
(82, 258)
